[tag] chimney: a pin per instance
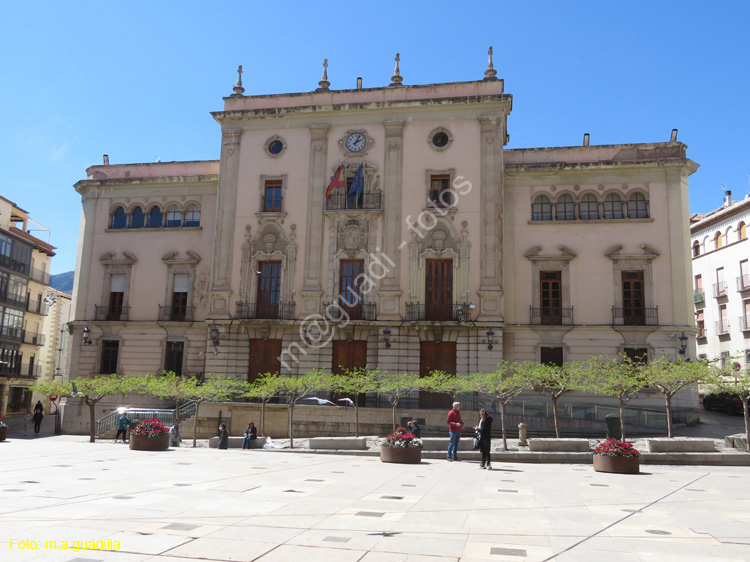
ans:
(106, 160)
(585, 139)
(673, 136)
(727, 198)
(359, 82)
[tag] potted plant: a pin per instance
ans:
(401, 447)
(3, 430)
(616, 456)
(150, 435)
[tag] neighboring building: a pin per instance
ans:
(439, 248)
(721, 281)
(55, 353)
(24, 279)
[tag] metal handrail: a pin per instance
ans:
(165, 416)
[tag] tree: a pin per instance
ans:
(671, 377)
(552, 380)
(169, 386)
(395, 386)
(213, 388)
(264, 388)
(734, 383)
(91, 391)
(295, 388)
(356, 382)
(505, 383)
(446, 383)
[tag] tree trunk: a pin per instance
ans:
(177, 410)
(195, 422)
(747, 421)
(356, 415)
(262, 417)
(502, 424)
(554, 414)
(291, 424)
(92, 419)
(622, 420)
(670, 429)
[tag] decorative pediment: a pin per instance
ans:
(534, 253)
(110, 259)
(649, 252)
(170, 258)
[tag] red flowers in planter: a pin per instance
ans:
(150, 428)
(402, 439)
(616, 448)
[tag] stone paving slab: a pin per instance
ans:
(190, 504)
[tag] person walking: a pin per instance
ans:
(122, 427)
(223, 436)
(484, 429)
(250, 433)
(175, 439)
(37, 417)
(454, 427)
(39, 407)
(26, 422)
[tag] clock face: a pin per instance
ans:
(356, 142)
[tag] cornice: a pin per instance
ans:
(547, 167)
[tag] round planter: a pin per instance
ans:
(619, 465)
(3, 433)
(405, 455)
(145, 443)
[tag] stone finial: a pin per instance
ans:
(397, 78)
(238, 89)
(490, 74)
(324, 83)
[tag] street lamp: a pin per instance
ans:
(215, 335)
(490, 336)
(683, 343)
(86, 336)
(387, 337)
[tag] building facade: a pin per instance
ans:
(24, 280)
(721, 282)
(384, 227)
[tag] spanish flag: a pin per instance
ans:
(338, 181)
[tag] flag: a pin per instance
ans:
(358, 183)
(338, 181)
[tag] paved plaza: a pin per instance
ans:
(205, 504)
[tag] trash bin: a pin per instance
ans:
(613, 426)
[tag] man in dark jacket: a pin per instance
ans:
(454, 427)
(223, 437)
(484, 432)
(38, 416)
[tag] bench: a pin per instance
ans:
(441, 443)
(665, 445)
(236, 442)
(567, 445)
(347, 443)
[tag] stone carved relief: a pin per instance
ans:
(268, 244)
(352, 237)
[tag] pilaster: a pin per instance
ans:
(83, 257)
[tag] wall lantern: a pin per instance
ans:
(215, 335)
(387, 337)
(683, 343)
(490, 336)
(86, 336)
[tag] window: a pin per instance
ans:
(741, 231)
(637, 206)
(173, 357)
(439, 290)
(743, 282)
(119, 218)
(179, 312)
(110, 351)
(724, 359)
(745, 318)
(542, 209)
(550, 292)
(155, 218)
(633, 301)
(720, 289)
(440, 193)
(696, 249)
(269, 289)
(723, 323)
(566, 208)
(612, 206)
(718, 241)
(589, 207)
(637, 355)
(350, 287)
(137, 218)
(174, 217)
(193, 215)
(701, 324)
(116, 297)
(272, 196)
(551, 356)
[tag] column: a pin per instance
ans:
(4, 393)
(85, 249)
(393, 168)
(226, 203)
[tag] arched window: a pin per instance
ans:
(193, 216)
(155, 218)
(589, 207)
(612, 206)
(566, 209)
(741, 231)
(542, 209)
(637, 206)
(119, 218)
(718, 241)
(137, 218)
(696, 249)
(174, 217)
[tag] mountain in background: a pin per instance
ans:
(62, 281)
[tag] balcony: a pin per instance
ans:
(456, 312)
(256, 311)
(34, 338)
(338, 310)
(745, 323)
(27, 370)
(111, 313)
(40, 276)
(368, 201)
(176, 313)
(631, 316)
(12, 332)
(701, 335)
(722, 327)
(551, 316)
(12, 300)
(14, 265)
(37, 308)
(743, 283)
(720, 289)
(699, 295)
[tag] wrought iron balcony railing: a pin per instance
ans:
(456, 312)
(341, 201)
(176, 313)
(551, 316)
(12, 332)
(252, 310)
(338, 310)
(722, 327)
(27, 370)
(699, 295)
(34, 338)
(745, 323)
(720, 289)
(271, 204)
(111, 313)
(37, 308)
(632, 316)
(12, 300)
(40, 276)
(743, 283)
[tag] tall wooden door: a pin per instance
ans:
(348, 355)
(439, 290)
(633, 300)
(436, 356)
(350, 287)
(264, 358)
(550, 297)
(269, 289)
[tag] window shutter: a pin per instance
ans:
(181, 282)
(117, 284)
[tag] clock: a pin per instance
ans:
(356, 142)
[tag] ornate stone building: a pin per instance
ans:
(387, 227)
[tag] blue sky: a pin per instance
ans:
(137, 80)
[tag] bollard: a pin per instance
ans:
(522, 434)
